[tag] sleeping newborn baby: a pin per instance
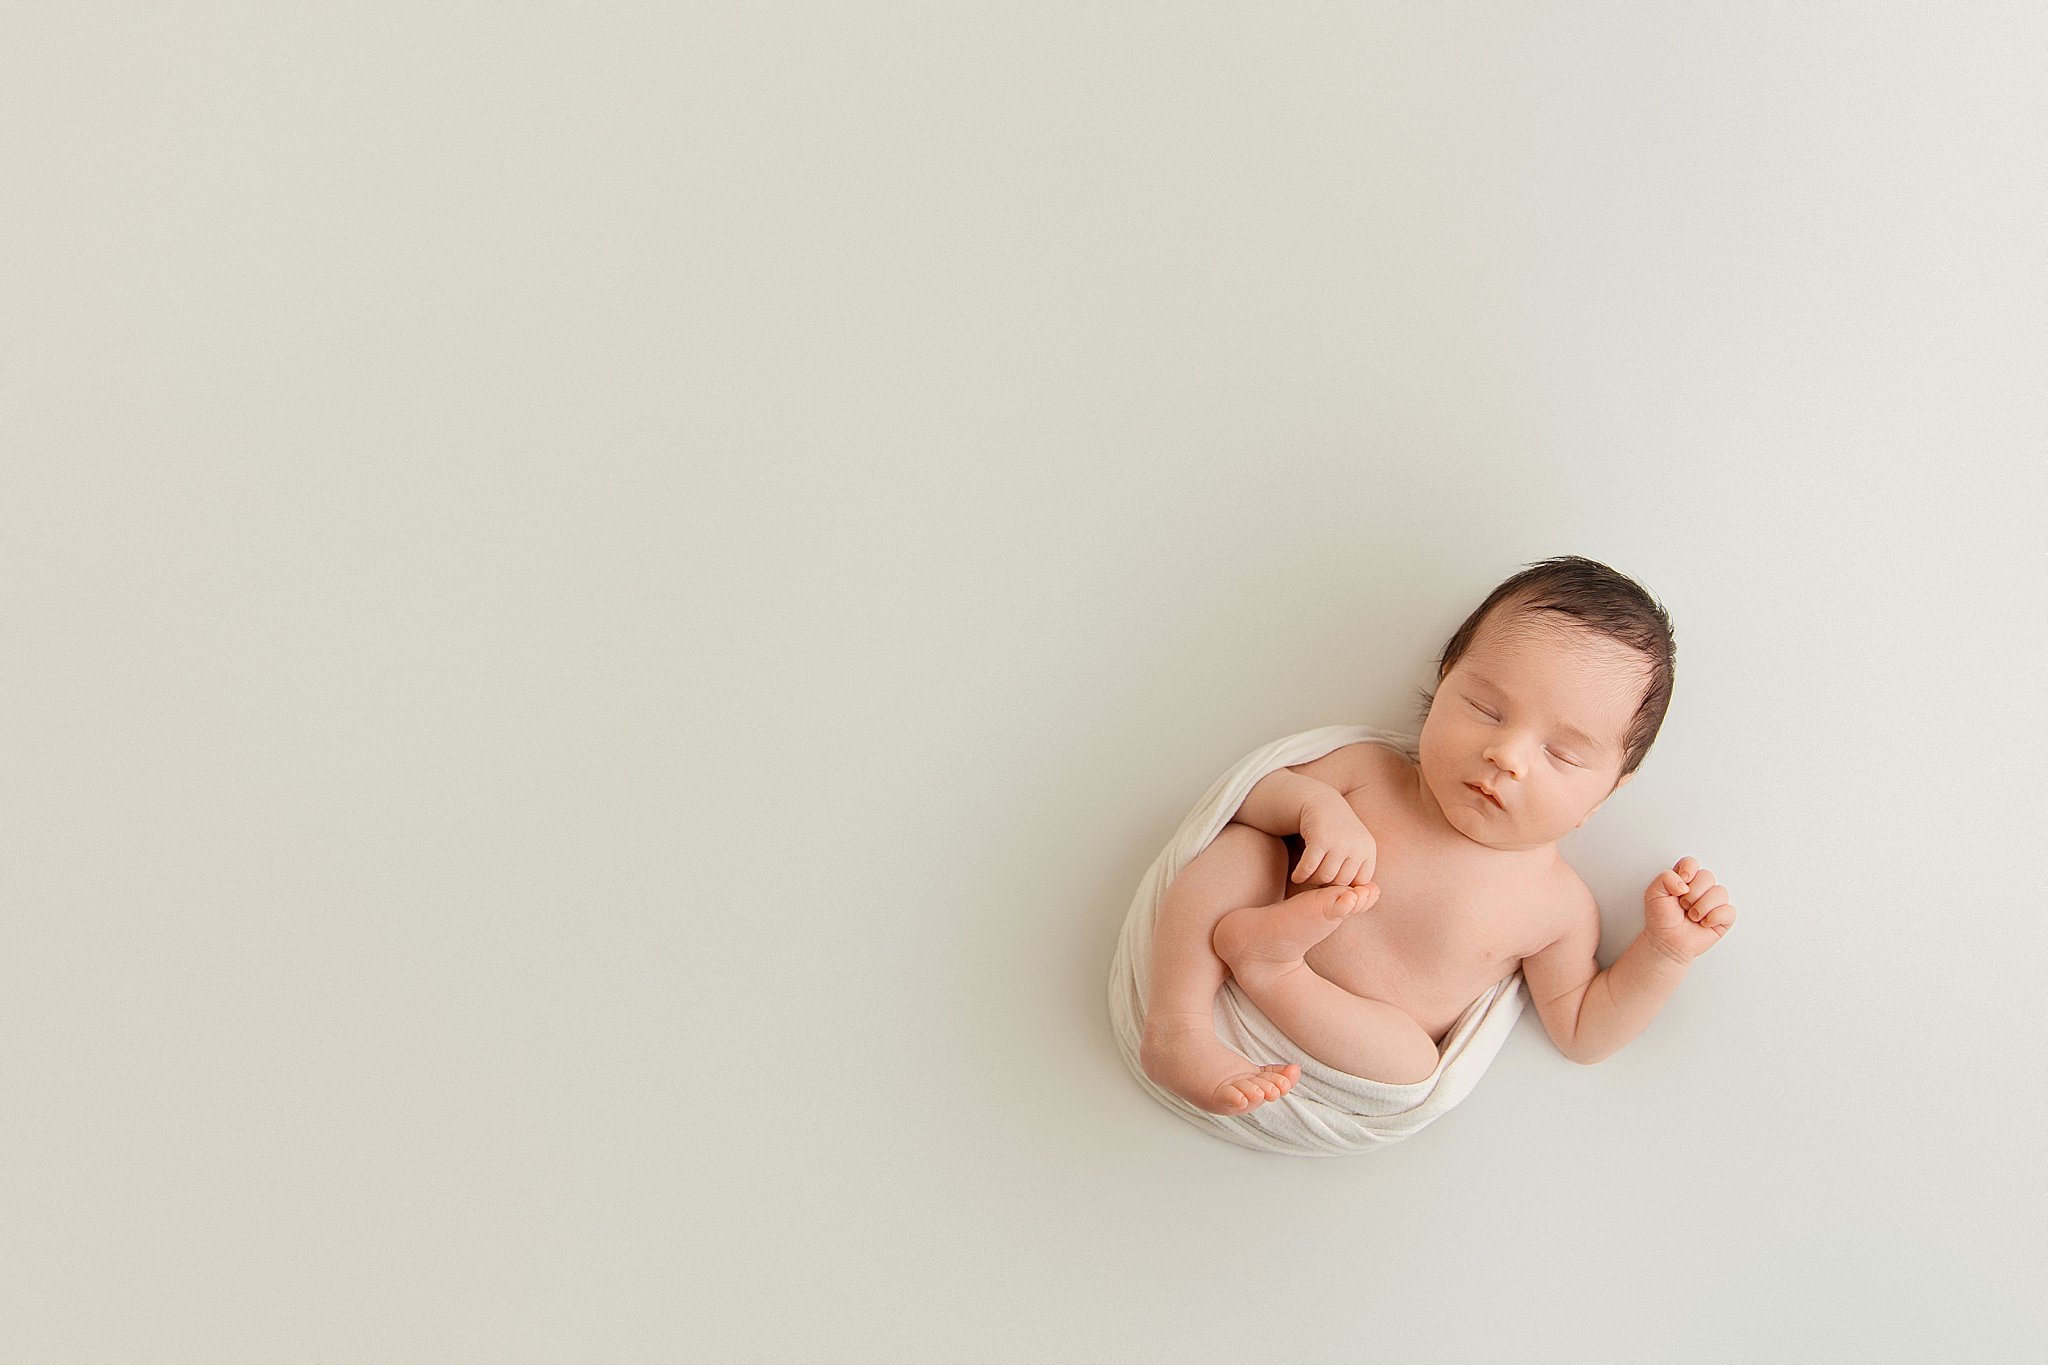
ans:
(1416, 885)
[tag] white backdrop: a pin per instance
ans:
(604, 605)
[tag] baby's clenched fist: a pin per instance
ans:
(1337, 848)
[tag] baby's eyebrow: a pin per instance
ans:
(1570, 732)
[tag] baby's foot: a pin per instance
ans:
(1275, 936)
(1183, 1055)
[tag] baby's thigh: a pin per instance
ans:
(1241, 866)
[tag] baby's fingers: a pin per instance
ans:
(1310, 859)
(1711, 901)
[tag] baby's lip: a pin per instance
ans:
(1487, 794)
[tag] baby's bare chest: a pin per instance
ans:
(1449, 922)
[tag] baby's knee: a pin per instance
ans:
(1241, 866)
(1252, 852)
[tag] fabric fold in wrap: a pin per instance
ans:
(1328, 1113)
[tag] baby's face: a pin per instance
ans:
(1536, 715)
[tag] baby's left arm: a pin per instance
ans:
(1590, 1014)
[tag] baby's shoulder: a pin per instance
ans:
(1363, 766)
(1382, 791)
(1392, 766)
(1384, 757)
(1564, 899)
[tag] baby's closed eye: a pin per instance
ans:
(1563, 758)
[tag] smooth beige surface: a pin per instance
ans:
(604, 605)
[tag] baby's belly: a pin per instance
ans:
(1414, 958)
(1374, 965)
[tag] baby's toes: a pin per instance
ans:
(1245, 1092)
(1331, 902)
(1233, 1095)
(1255, 1088)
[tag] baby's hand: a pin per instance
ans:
(1336, 847)
(1684, 912)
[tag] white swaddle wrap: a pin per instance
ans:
(1328, 1113)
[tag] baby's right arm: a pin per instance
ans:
(1336, 843)
(1281, 797)
(1277, 804)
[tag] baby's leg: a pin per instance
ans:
(1180, 1050)
(1263, 946)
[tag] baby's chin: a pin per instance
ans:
(1496, 832)
(1484, 838)
(1470, 821)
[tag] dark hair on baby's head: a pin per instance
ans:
(1585, 594)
